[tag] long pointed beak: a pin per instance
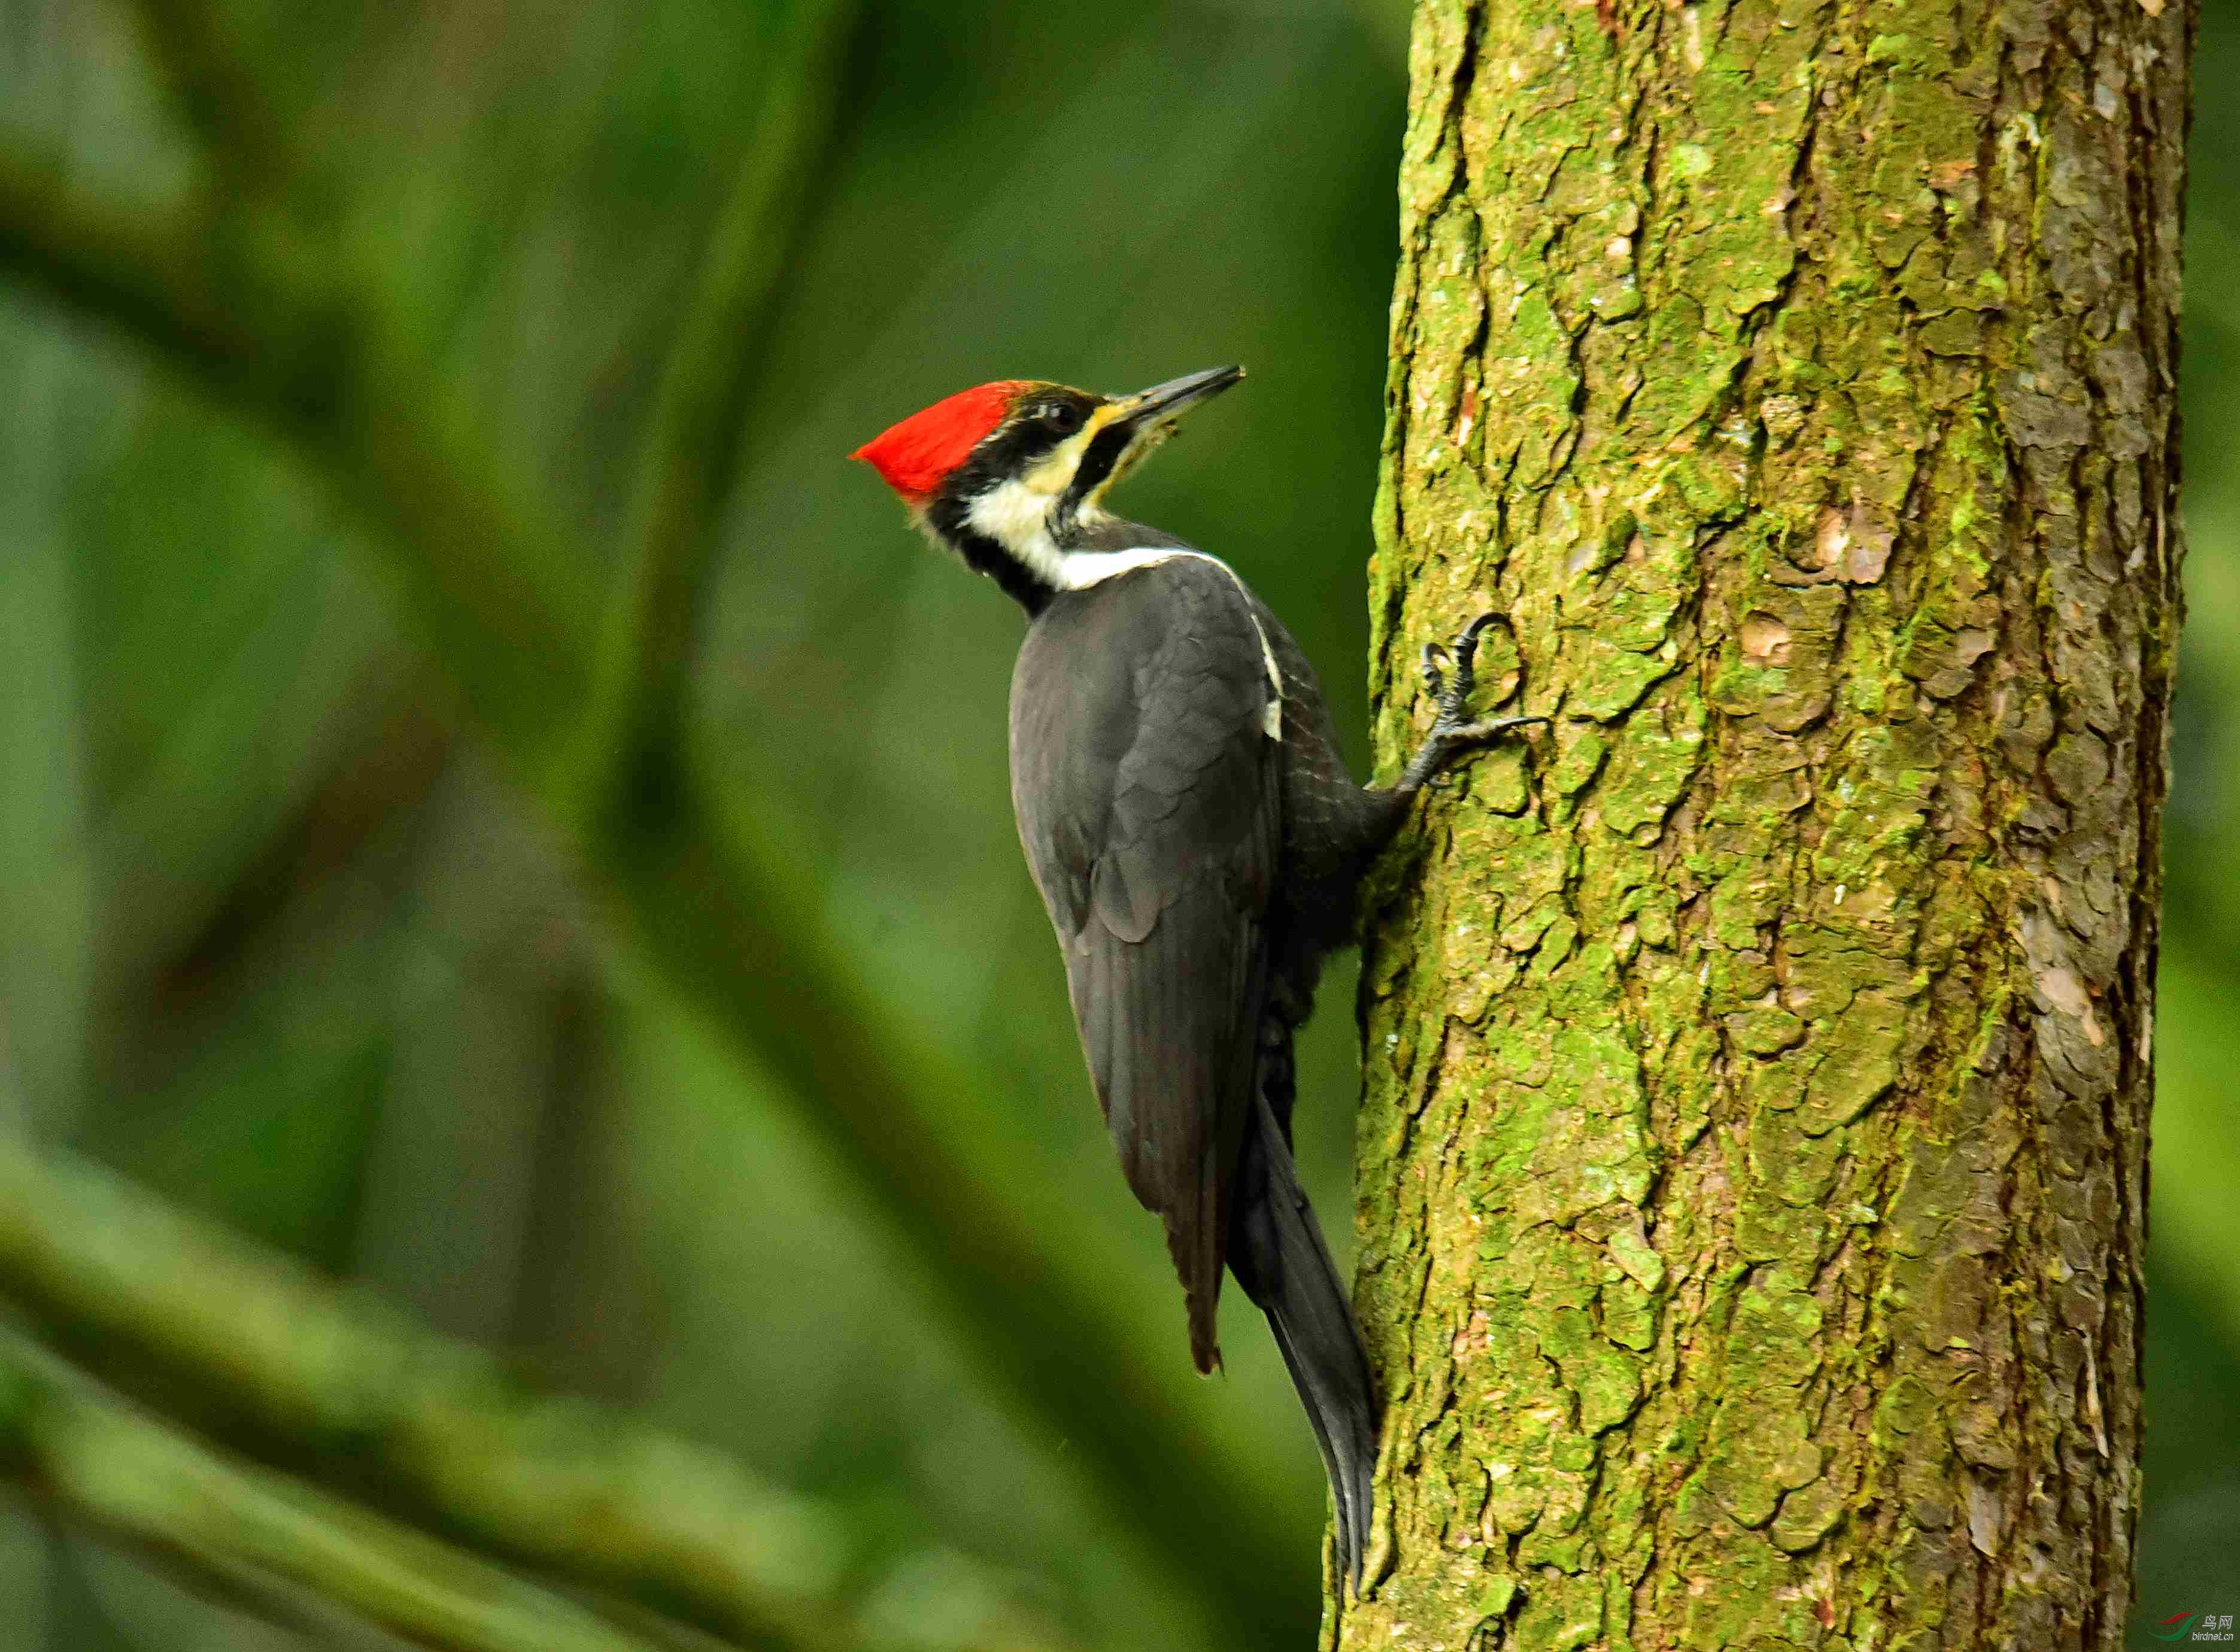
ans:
(1169, 400)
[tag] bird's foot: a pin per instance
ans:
(1452, 730)
(1454, 699)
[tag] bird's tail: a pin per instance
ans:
(1277, 1254)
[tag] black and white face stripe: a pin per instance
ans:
(1000, 509)
(1026, 507)
(1100, 461)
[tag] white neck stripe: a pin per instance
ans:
(1078, 570)
(1016, 517)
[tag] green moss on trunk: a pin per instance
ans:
(1752, 1164)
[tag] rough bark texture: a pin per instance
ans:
(1753, 1162)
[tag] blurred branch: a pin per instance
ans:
(275, 331)
(261, 1536)
(293, 1372)
(226, 107)
(690, 457)
(752, 957)
(719, 916)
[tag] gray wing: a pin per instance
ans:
(1146, 790)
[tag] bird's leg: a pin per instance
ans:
(1453, 729)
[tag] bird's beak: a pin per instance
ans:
(1126, 428)
(1162, 403)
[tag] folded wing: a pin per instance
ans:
(1145, 784)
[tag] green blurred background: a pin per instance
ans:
(279, 940)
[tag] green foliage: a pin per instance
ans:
(295, 945)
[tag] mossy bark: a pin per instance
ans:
(1753, 1160)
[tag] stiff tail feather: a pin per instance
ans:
(1277, 1254)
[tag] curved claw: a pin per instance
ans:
(1435, 679)
(1466, 644)
(1454, 705)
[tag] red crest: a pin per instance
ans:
(918, 455)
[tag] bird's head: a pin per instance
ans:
(1012, 475)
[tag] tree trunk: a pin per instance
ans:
(1753, 1161)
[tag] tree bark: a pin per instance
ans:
(1754, 1152)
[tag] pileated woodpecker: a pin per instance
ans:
(1196, 837)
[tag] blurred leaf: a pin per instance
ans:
(46, 889)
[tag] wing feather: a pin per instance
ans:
(1147, 795)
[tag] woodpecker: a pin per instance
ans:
(1197, 839)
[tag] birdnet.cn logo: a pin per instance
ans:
(2193, 1626)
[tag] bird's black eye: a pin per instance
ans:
(1062, 418)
